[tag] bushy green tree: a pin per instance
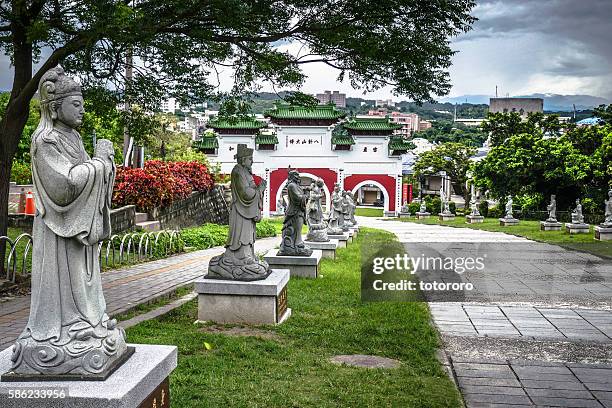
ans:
(501, 126)
(443, 131)
(453, 158)
(604, 113)
(574, 165)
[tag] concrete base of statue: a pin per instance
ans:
(577, 228)
(254, 302)
(603, 233)
(142, 381)
(355, 230)
(298, 266)
(550, 226)
(422, 215)
(328, 249)
(508, 222)
(389, 214)
(351, 234)
(404, 215)
(342, 239)
(474, 219)
(446, 217)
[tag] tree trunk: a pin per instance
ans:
(5, 176)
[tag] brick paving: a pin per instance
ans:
(546, 305)
(128, 287)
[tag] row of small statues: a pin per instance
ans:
(577, 215)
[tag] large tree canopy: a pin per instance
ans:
(453, 158)
(175, 47)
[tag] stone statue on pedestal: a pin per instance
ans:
(552, 209)
(335, 219)
(239, 261)
(509, 213)
(351, 206)
(608, 211)
(474, 202)
(317, 227)
(292, 243)
(68, 332)
(444, 204)
(577, 217)
(347, 203)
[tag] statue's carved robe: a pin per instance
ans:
(73, 196)
(246, 209)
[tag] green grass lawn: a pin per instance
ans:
(531, 230)
(289, 366)
(369, 212)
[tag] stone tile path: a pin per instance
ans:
(537, 328)
(128, 287)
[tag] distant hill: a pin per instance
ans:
(552, 102)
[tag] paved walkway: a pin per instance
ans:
(128, 287)
(536, 330)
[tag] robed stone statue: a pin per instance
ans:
(577, 217)
(335, 221)
(552, 209)
(239, 262)
(317, 227)
(68, 332)
(292, 243)
(608, 211)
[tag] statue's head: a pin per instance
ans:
(244, 156)
(320, 183)
(294, 176)
(610, 193)
(577, 201)
(61, 98)
(553, 197)
(337, 187)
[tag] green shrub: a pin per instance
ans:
(205, 236)
(483, 207)
(434, 206)
(265, 229)
(414, 207)
(496, 212)
(21, 173)
(452, 207)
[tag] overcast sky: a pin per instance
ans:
(522, 46)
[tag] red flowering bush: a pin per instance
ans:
(159, 184)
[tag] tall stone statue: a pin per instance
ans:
(473, 202)
(577, 217)
(317, 227)
(346, 209)
(444, 204)
(239, 262)
(509, 213)
(292, 243)
(351, 207)
(608, 211)
(552, 209)
(68, 331)
(335, 219)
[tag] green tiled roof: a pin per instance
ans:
(206, 143)
(371, 124)
(343, 140)
(305, 112)
(399, 143)
(266, 139)
(243, 122)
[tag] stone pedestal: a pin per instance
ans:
(389, 214)
(550, 226)
(141, 381)
(350, 233)
(474, 219)
(404, 215)
(508, 222)
(603, 233)
(255, 302)
(446, 217)
(298, 266)
(328, 249)
(422, 215)
(355, 230)
(577, 228)
(342, 239)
